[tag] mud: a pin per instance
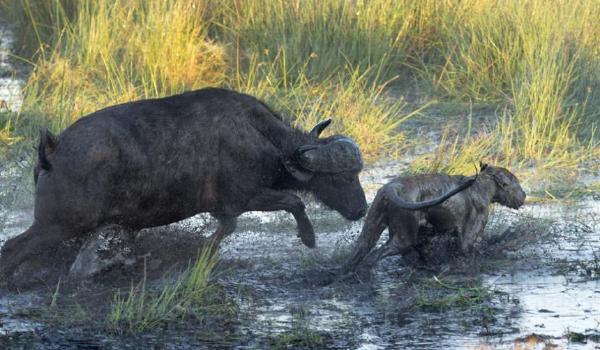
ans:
(537, 275)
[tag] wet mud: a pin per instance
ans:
(536, 278)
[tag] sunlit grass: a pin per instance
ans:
(6, 136)
(117, 51)
(359, 108)
(538, 63)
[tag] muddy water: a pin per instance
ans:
(550, 288)
(545, 282)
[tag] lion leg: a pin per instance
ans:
(403, 230)
(472, 229)
(370, 234)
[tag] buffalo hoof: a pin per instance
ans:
(25, 267)
(308, 238)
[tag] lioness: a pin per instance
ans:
(465, 214)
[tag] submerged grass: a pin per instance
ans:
(299, 339)
(436, 294)
(190, 296)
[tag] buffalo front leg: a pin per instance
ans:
(226, 227)
(38, 255)
(271, 200)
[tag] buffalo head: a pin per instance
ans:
(329, 168)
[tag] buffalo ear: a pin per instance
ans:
(47, 140)
(318, 129)
(482, 166)
(297, 172)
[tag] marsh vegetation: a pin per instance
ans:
(371, 65)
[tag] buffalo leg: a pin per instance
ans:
(271, 200)
(226, 227)
(37, 255)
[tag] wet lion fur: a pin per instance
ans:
(464, 214)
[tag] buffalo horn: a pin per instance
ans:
(318, 129)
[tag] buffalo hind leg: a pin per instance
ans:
(226, 227)
(272, 200)
(37, 255)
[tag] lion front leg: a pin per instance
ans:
(472, 230)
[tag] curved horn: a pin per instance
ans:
(318, 129)
(394, 198)
(339, 155)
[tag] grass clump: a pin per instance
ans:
(300, 339)
(437, 294)
(190, 296)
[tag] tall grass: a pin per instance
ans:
(111, 52)
(536, 61)
(332, 33)
(360, 109)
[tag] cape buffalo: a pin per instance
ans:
(153, 162)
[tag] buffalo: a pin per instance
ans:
(157, 161)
